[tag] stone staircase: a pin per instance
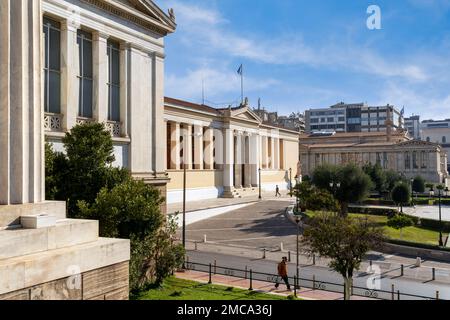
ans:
(46, 262)
(245, 192)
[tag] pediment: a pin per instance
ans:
(143, 12)
(245, 114)
(417, 143)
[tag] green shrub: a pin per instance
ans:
(373, 211)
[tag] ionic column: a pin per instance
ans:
(21, 103)
(124, 83)
(238, 161)
(247, 171)
(228, 161)
(198, 148)
(276, 154)
(209, 149)
(254, 158)
(69, 81)
(264, 152)
(186, 133)
(175, 146)
(100, 74)
(272, 153)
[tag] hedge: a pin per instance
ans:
(435, 224)
(417, 245)
(373, 211)
(379, 202)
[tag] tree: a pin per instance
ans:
(418, 185)
(400, 221)
(392, 179)
(378, 177)
(347, 183)
(131, 210)
(343, 240)
(86, 167)
(401, 195)
(312, 198)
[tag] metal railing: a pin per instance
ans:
(314, 283)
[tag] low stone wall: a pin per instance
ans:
(414, 252)
(109, 283)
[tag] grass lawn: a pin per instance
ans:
(411, 234)
(179, 289)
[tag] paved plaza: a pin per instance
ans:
(429, 212)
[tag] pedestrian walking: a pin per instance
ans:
(283, 273)
(277, 192)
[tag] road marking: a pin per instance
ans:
(245, 239)
(244, 228)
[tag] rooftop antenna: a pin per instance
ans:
(203, 91)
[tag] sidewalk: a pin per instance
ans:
(261, 286)
(194, 206)
(389, 266)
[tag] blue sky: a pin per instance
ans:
(299, 54)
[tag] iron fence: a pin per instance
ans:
(312, 283)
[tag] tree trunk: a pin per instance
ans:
(348, 283)
(344, 209)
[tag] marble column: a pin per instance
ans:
(186, 133)
(264, 152)
(21, 103)
(238, 161)
(247, 170)
(174, 152)
(124, 57)
(254, 159)
(272, 153)
(209, 149)
(69, 71)
(158, 113)
(198, 148)
(100, 73)
(228, 161)
(276, 154)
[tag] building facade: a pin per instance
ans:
(295, 121)
(357, 117)
(395, 151)
(104, 62)
(412, 125)
(223, 150)
(65, 62)
(437, 131)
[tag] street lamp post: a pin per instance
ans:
(185, 136)
(297, 220)
(441, 242)
(259, 173)
(290, 181)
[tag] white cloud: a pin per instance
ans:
(217, 83)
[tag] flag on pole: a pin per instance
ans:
(240, 70)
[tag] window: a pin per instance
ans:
(314, 120)
(113, 81)
(407, 161)
(444, 139)
(341, 119)
(415, 160)
(52, 66)
(428, 139)
(84, 41)
(425, 159)
(330, 119)
(379, 158)
(385, 160)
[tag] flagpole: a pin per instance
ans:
(242, 85)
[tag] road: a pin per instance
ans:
(264, 225)
(323, 274)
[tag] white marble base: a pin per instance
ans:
(176, 196)
(37, 221)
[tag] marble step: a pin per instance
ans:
(66, 233)
(43, 267)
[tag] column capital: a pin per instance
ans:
(100, 36)
(70, 25)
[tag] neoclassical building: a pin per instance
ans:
(65, 62)
(104, 62)
(392, 150)
(224, 150)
